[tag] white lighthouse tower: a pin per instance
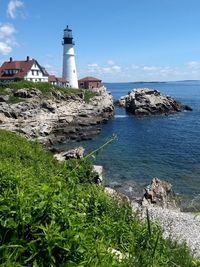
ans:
(69, 65)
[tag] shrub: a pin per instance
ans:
(51, 214)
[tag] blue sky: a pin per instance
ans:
(115, 40)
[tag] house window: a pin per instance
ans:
(32, 71)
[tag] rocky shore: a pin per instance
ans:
(148, 102)
(54, 117)
(158, 199)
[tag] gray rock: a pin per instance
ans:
(160, 193)
(4, 98)
(58, 117)
(99, 171)
(50, 105)
(26, 93)
(175, 225)
(76, 153)
(146, 102)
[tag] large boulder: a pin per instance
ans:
(145, 102)
(159, 193)
(76, 153)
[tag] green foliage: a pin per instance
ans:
(46, 89)
(13, 99)
(52, 214)
(89, 95)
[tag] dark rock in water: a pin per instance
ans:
(160, 193)
(147, 102)
(188, 108)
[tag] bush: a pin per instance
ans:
(51, 214)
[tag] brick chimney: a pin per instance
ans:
(11, 59)
(27, 58)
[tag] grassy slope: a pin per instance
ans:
(51, 215)
(45, 88)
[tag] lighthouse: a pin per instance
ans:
(69, 65)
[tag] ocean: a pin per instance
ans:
(167, 147)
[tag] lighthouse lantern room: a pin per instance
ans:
(69, 65)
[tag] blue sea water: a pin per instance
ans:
(167, 147)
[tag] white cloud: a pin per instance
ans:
(7, 40)
(5, 48)
(135, 67)
(93, 65)
(195, 65)
(110, 62)
(6, 30)
(109, 68)
(13, 8)
(116, 68)
(150, 68)
(142, 72)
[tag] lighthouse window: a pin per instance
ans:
(73, 71)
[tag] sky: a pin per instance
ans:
(115, 40)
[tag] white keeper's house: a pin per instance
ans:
(29, 70)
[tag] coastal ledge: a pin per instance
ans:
(55, 116)
(148, 102)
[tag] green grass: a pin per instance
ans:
(46, 89)
(51, 214)
(14, 100)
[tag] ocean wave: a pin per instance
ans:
(121, 116)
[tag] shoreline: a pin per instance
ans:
(175, 225)
(53, 116)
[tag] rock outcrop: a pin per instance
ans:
(175, 225)
(159, 193)
(55, 117)
(145, 102)
(76, 153)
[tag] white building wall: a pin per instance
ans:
(69, 65)
(35, 75)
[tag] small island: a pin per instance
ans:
(148, 102)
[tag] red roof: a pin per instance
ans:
(53, 78)
(89, 79)
(60, 79)
(22, 67)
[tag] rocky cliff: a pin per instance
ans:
(145, 102)
(54, 117)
